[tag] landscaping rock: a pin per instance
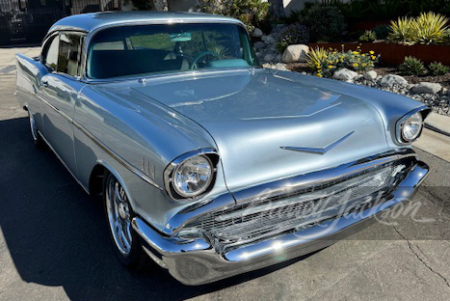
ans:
(371, 75)
(345, 74)
(269, 57)
(278, 66)
(390, 80)
(259, 45)
(295, 54)
(257, 33)
(427, 88)
(358, 78)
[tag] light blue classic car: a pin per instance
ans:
(207, 163)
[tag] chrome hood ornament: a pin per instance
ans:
(319, 151)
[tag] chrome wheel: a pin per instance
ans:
(119, 215)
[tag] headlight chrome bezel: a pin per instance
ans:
(209, 154)
(400, 136)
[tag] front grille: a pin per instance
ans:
(308, 207)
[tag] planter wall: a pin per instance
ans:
(395, 53)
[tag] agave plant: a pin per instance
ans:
(402, 30)
(430, 28)
(316, 58)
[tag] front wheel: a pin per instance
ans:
(119, 214)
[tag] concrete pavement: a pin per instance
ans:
(54, 243)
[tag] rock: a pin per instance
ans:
(295, 53)
(259, 54)
(259, 45)
(269, 57)
(278, 58)
(278, 66)
(391, 80)
(371, 75)
(345, 74)
(257, 33)
(427, 88)
(410, 86)
(358, 77)
(270, 39)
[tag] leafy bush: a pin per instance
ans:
(292, 34)
(251, 12)
(438, 69)
(325, 23)
(429, 28)
(412, 66)
(401, 30)
(325, 63)
(368, 36)
(426, 29)
(382, 31)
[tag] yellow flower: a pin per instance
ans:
(374, 57)
(364, 65)
(355, 65)
(355, 52)
(363, 54)
(372, 52)
(359, 59)
(319, 74)
(330, 67)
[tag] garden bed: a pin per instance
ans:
(394, 54)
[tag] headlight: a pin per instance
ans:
(192, 176)
(412, 127)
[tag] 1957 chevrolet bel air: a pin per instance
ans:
(207, 163)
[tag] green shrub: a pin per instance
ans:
(401, 30)
(324, 63)
(292, 34)
(368, 36)
(438, 69)
(382, 31)
(428, 28)
(412, 66)
(251, 12)
(325, 23)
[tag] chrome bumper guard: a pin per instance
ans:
(196, 262)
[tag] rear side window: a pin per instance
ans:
(69, 52)
(51, 57)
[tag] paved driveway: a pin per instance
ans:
(54, 241)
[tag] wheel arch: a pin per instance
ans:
(96, 179)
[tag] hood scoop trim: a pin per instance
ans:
(319, 151)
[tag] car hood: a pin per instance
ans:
(268, 125)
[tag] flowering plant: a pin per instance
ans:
(326, 62)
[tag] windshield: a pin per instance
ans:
(150, 49)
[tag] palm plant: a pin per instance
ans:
(401, 30)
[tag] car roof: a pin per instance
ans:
(92, 21)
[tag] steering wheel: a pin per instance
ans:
(199, 56)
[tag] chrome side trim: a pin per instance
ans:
(118, 158)
(320, 151)
(110, 152)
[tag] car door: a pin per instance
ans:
(59, 91)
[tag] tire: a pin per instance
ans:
(125, 241)
(37, 139)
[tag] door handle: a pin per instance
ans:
(45, 83)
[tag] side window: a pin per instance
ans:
(51, 57)
(69, 50)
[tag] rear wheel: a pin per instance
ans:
(37, 139)
(119, 214)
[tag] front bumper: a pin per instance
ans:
(196, 262)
